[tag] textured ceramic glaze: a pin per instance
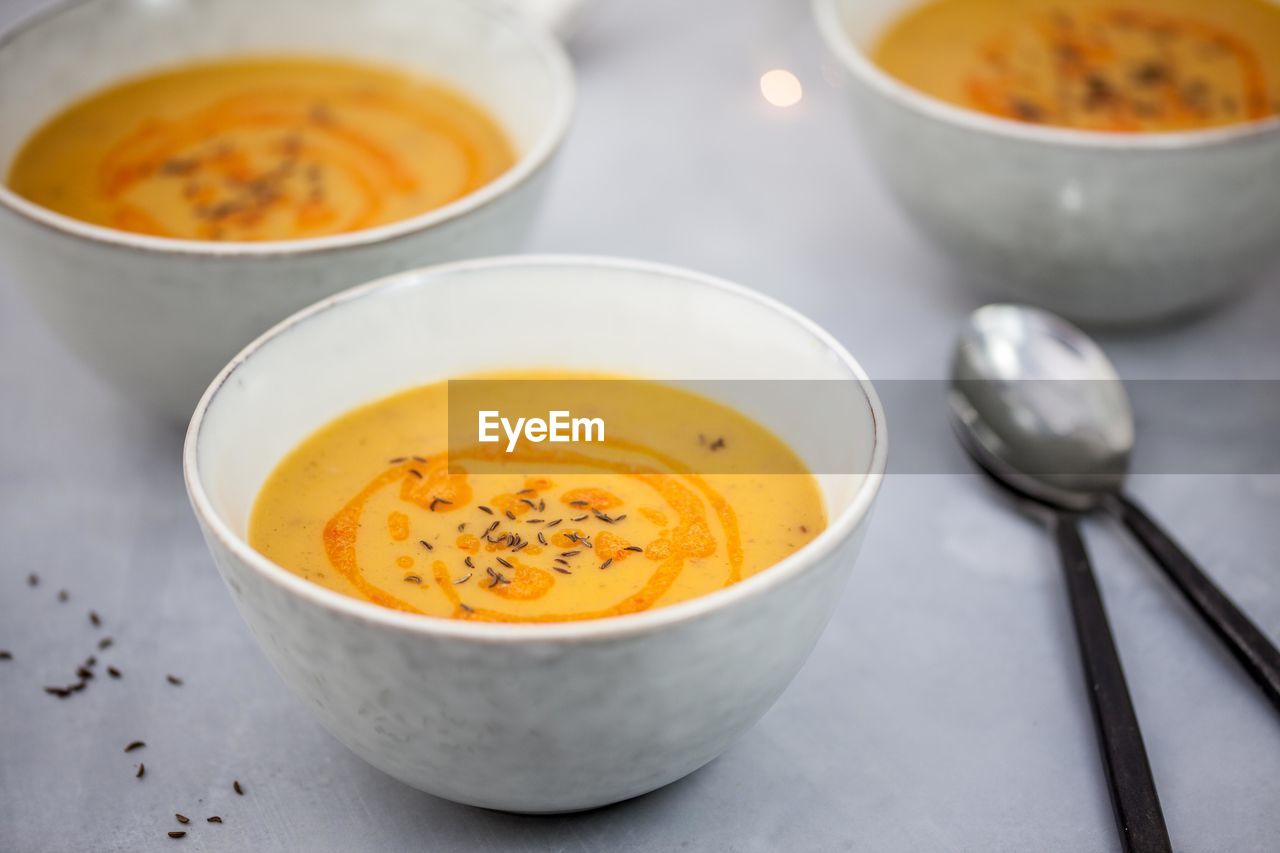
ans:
(158, 317)
(533, 718)
(1102, 228)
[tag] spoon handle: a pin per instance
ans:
(1133, 790)
(1251, 648)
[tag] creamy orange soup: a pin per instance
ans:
(1135, 65)
(371, 506)
(261, 149)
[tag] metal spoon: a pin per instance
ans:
(1018, 432)
(1040, 402)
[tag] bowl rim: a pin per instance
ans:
(856, 61)
(559, 115)
(838, 529)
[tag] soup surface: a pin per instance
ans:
(1136, 65)
(374, 506)
(261, 149)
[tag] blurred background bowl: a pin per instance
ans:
(158, 317)
(1104, 228)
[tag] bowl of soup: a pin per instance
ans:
(176, 177)
(511, 620)
(1102, 159)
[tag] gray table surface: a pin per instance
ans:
(942, 709)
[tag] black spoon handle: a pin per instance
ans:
(1133, 790)
(1251, 648)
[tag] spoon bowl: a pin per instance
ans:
(1040, 405)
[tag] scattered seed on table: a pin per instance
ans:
(33, 579)
(5, 654)
(137, 744)
(95, 619)
(214, 819)
(105, 643)
(63, 595)
(113, 672)
(177, 833)
(235, 786)
(174, 680)
(182, 818)
(142, 770)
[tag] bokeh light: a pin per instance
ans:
(781, 88)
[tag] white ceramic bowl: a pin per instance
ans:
(543, 717)
(1103, 228)
(158, 317)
